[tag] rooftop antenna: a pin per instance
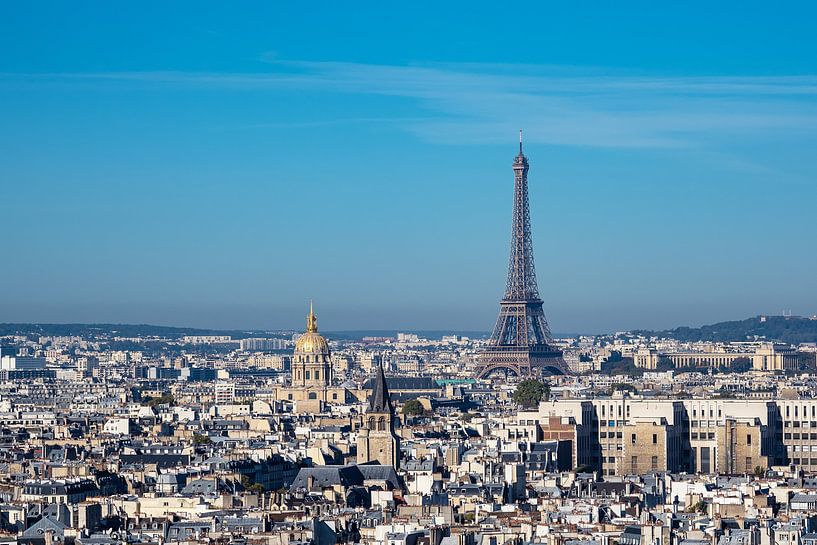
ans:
(520, 141)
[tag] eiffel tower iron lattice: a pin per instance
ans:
(521, 341)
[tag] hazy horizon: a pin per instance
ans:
(298, 328)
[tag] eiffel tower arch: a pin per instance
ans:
(521, 343)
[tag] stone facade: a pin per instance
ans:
(647, 447)
(739, 447)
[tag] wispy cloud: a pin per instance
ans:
(477, 103)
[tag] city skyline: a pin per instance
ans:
(223, 171)
(378, 274)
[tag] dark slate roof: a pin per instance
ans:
(396, 384)
(200, 486)
(550, 446)
(96, 539)
(380, 401)
(44, 488)
(346, 476)
(327, 476)
(632, 531)
(58, 512)
(44, 525)
(376, 472)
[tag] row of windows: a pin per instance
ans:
(314, 395)
(379, 425)
(804, 448)
(805, 411)
(654, 438)
(703, 413)
(611, 423)
(798, 424)
(603, 411)
(704, 424)
(800, 436)
(307, 375)
(804, 461)
(634, 463)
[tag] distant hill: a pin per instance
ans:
(787, 329)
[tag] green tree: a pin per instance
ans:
(256, 488)
(622, 387)
(530, 392)
(664, 364)
(251, 486)
(413, 407)
(759, 472)
(166, 399)
(699, 507)
(616, 365)
(739, 365)
(199, 439)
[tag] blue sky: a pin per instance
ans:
(206, 165)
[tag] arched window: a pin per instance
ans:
(313, 395)
(381, 424)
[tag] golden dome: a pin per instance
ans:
(311, 342)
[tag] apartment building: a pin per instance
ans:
(623, 435)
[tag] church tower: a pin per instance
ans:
(312, 360)
(376, 440)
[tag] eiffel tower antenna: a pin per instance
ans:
(521, 340)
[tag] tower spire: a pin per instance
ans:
(311, 319)
(380, 402)
(521, 339)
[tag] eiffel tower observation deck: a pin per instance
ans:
(521, 343)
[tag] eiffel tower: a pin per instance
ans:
(521, 341)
